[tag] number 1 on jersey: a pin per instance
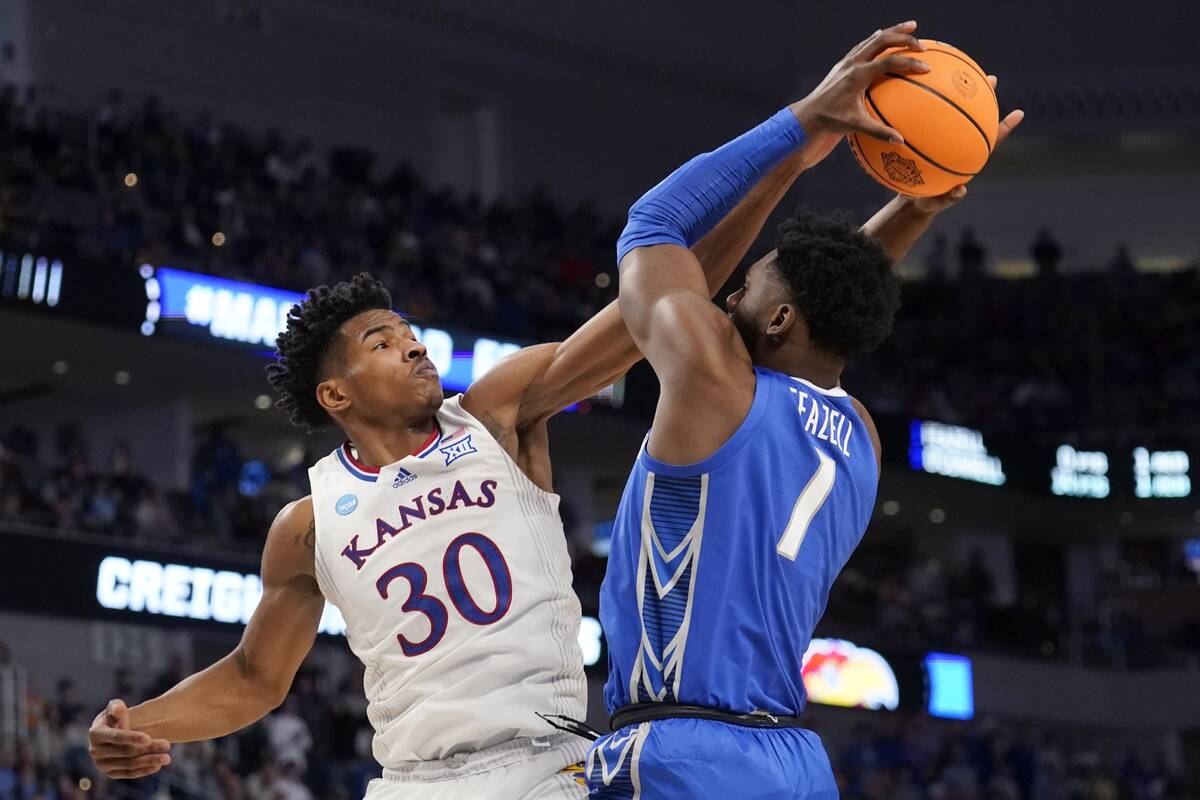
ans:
(807, 505)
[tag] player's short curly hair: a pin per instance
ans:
(841, 280)
(303, 349)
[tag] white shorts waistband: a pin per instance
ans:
(502, 755)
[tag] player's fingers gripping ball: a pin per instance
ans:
(948, 118)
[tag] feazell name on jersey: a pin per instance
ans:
(431, 504)
(824, 421)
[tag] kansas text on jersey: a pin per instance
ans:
(451, 570)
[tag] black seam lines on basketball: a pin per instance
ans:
(970, 64)
(883, 119)
(956, 106)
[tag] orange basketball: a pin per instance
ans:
(947, 116)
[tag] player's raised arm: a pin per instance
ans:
(240, 688)
(704, 368)
(528, 387)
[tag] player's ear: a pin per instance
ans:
(331, 397)
(782, 320)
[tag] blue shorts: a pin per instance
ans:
(689, 759)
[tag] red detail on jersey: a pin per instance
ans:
(433, 435)
(357, 464)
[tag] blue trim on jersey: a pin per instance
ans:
(362, 476)
(433, 445)
(746, 430)
(672, 552)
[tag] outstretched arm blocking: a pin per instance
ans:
(240, 688)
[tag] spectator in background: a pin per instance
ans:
(228, 780)
(28, 782)
(67, 706)
(937, 260)
(972, 257)
(1121, 265)
(8, 775)
(166, 679)
(152, 516)
(216, 465)
(274, 781)
(1046, 253)
(122, 685)
(977, 580)
(288, 736)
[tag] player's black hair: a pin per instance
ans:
(303, 349)
(841, 280)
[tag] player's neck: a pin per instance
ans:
(815, 366)
(377, 446)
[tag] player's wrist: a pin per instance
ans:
(808, 120)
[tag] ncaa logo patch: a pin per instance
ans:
(346, 505)
(456, 450)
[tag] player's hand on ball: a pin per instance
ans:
(120, 752)
(934, 205)
(836, 108)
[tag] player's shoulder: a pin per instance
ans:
(869, 423)
(291, 541)
(296, 514)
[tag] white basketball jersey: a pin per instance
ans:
(451, 569)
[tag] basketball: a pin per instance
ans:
(947, 116)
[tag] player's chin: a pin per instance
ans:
(435, 396)
(433, 382)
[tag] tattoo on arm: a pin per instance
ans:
(309, 537)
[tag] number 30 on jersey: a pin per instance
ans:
(460, 596)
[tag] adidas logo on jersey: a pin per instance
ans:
(402, 477)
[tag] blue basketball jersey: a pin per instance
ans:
(720, 570)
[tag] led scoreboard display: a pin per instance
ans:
(1074, 470)
(1079, 473)
(1161, 473)
(954, 452)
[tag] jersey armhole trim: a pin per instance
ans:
(514, 467)
(743, 434)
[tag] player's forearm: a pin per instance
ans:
(212, 703)
(724, 247)
(898, 225)
(685, 206)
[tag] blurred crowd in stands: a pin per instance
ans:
(911, 598)
(63, 484)
(1112, 355)
(316, 746)
(138, 181)
(911, 757)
